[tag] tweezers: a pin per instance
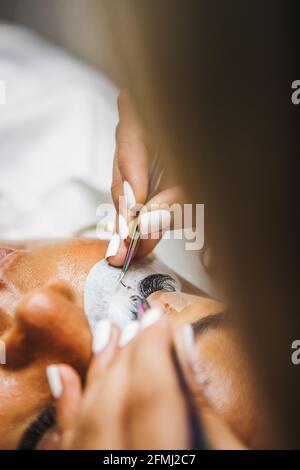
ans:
(155, 176)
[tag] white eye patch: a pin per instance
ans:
(99, 291)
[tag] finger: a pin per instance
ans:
(65, 386)
(146, 246)
(158, 407)
(117, 183)
(113, 392)
(166, 197)
(105, 345)
(119, 258)
(132, 158)
(105, 406)
(154, 217)
(162, 213)
(184, 342)
(131, 148)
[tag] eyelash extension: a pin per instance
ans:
(148, 285)
(138, 303)
(156, 282)
(37, 429)
(131, 305)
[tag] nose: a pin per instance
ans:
(49, 327)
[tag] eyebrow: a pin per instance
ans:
(211, 321)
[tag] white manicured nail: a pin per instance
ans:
(129, 194)
(155, 221)
(129, 332)
(54, 380)
(102, 336)
(151, 317)
(188, 341)
(113, 246)
(123, 227)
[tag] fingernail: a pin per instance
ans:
(102, 336)
(151, 317)
(129, 332)
(113, 246)
(54, 380)
(123, 227)
(155, 221)
(129, 194)
(188, 341)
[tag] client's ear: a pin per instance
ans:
(49, 326)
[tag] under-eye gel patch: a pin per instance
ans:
(144, 277)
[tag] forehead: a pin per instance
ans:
(35, 264)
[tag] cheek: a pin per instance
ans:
(225, 382)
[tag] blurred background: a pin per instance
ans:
(71, 24)
(78, 27)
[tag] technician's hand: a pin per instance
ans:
(132, 398)
(130, 179)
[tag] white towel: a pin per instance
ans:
(56, 138)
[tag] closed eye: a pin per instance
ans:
(146, 287)
(156, 282)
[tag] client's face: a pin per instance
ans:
(36, 334)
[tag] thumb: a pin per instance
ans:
(132, 151)
(65, 386)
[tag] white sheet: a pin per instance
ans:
(56, 138)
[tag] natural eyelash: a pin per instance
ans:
(37, 429)
(138, 302)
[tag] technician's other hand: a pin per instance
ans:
(132, 398)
